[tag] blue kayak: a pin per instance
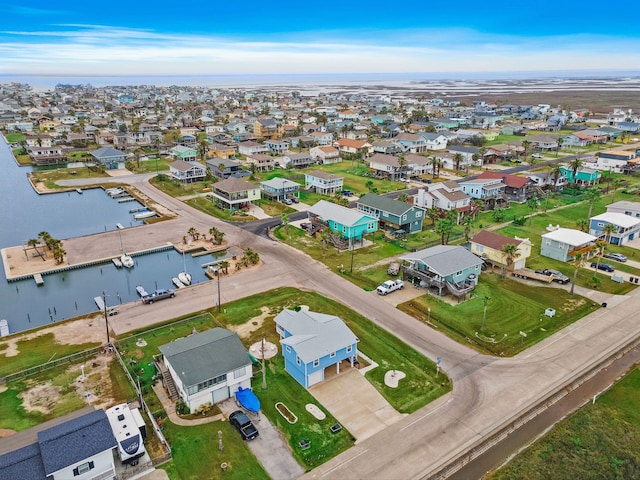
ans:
(248, 399)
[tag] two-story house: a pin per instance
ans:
(313, 342)
(250, 148)
(489, 246)
(393, 214)
(186, 154)
(266, 128)
(563, 243)
(626, 227)
(386, 166)
(262, 161)
(626, 207)
(187, 172)
(207, 367)
(234, 193)
(226, 167)
(297, 160)
(279, 188)
(352, 147)
(518, 189)
(323, 182)
(349, 224)
(277, 146)
(444, 196)
(110, 157)
(325, 155)
(47, 156)
(585, 177)
(490, 190)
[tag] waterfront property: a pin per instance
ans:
(187, 172)
(312, 342)
(110, 157)
(207, 367)
(349, 224)
(234, 193)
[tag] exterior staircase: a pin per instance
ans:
(167, 381)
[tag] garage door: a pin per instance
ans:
(316, 377)
(220, 394)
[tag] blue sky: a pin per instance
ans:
(222, 37)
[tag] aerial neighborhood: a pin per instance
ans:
(331, 232)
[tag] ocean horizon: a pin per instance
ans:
(48, 82)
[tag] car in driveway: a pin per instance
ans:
(287, 201)
(618, 257)
(603, 266)
(559, 277)
(158, 295)
(243, 424)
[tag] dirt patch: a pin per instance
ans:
(5, 432)
(74, 332)
(247, 328)
(572, 304)
(40, 398)
(95, 386)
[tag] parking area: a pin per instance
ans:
(355, 404)
(269, 448)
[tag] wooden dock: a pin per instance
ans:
(38, 278)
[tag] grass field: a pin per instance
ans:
(600, 441)
(513, 307)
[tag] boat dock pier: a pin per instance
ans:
(38, 278)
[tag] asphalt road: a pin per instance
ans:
(488, 392)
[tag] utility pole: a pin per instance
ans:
(106, 317)
(264, 371)
(218, 273)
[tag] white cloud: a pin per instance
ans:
(104, 50)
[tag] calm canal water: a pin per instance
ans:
(24, 214)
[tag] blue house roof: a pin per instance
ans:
(75, 440)
(22, 463)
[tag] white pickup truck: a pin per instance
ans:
(389, 286)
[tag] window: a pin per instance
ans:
(298, 360)
(240, 372)
(316, 362)
(332, 354)
(480, 248)
(82, 469)
(349, 348)
(600, 224)
(204, 385)
(418, 214)
(459, 273)
(288, 349)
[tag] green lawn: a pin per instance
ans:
(196, 455)
(600, 441)
(14, 137)
(512, 307)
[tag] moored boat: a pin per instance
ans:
(147, 214)
(185, 278)
(141, 291)
(126, 260)
(176, 281)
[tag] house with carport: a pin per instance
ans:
(110, 157)
(564, 243)
(314, 342)
(349, 225)
(626, 227)
(206, 367)
(279, 188)
(187, 172)
(394, 215)
(323, 182)
(234, 193)
(186, 154)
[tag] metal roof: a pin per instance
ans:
(343, 215)
(445, 260)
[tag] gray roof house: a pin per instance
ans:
(312, 342)
(110, 157)
(393, 214)
(207, 367)
(66, 447)
(444, 266)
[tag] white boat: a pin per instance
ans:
(126, 260)
(141, 291)
(79, 190)
(176, 281)
(185, 278)
(117, 262)
(147, 214)
(115, 192)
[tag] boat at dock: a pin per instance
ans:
(126, 260)
(126, 199)
(176, 281)
(115, 192)
(79, 190)
(4, 328)
(117, 262)
(145, 214)
(141, 291)
(184, 276)
(139, 209)
(99, 302)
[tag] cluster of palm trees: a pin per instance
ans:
(250, 257)
(52, 244)
(217, 236)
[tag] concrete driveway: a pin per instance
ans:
(269, 448)
(355, 404)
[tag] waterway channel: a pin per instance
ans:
(67, 294)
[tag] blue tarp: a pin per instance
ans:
(248, 399)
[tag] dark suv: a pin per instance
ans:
(603, 266)
(244, 426)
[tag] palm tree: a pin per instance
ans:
(609, 229)
(369, 184)
(203, 148)
(509, 252)
(284, 219)
(434, 166)
(324, 239)
(477, 206)
(575, 165)
(444, 227)
(224, 266)
(532, 203)
(402, 163)
(559, 143)
(403, 197)
(600, 247)
(582, 224)
(616, 185)
(34, 242)
(526, 144)
(434, 214)
(556, 172)
(192, 232)
(467, 228)
(593, 194)
(578, 262)
(59, 253)
(457, 159)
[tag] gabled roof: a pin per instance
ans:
(493, 240)
(323, 175)
(445, 260)
(75, 440)
(513, 181)
(343, 215)
(385, 204)
(233, 184)
(25, 462)
(384, 159)
(314, 335)
(207, 355)
(107, 152)
(183, 166)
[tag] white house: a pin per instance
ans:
(564, 243)
(249, 148)
(323, 182)
(187, 172)
(207, 367)
(325, 154)
(626, 227)
(626, 207)
(444, 196)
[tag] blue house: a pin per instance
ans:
(312, 342)
(627, 227)
(584, 176)
(349, 224)
(453, 268)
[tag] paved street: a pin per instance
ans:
(488, 392)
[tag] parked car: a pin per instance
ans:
(158, 295)
(389, 286)
(294, 199)
(559, 276)
(603, 266)
(616, 256)
(537, 155)
(244, 426)
(347, 193)
(287, 201)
